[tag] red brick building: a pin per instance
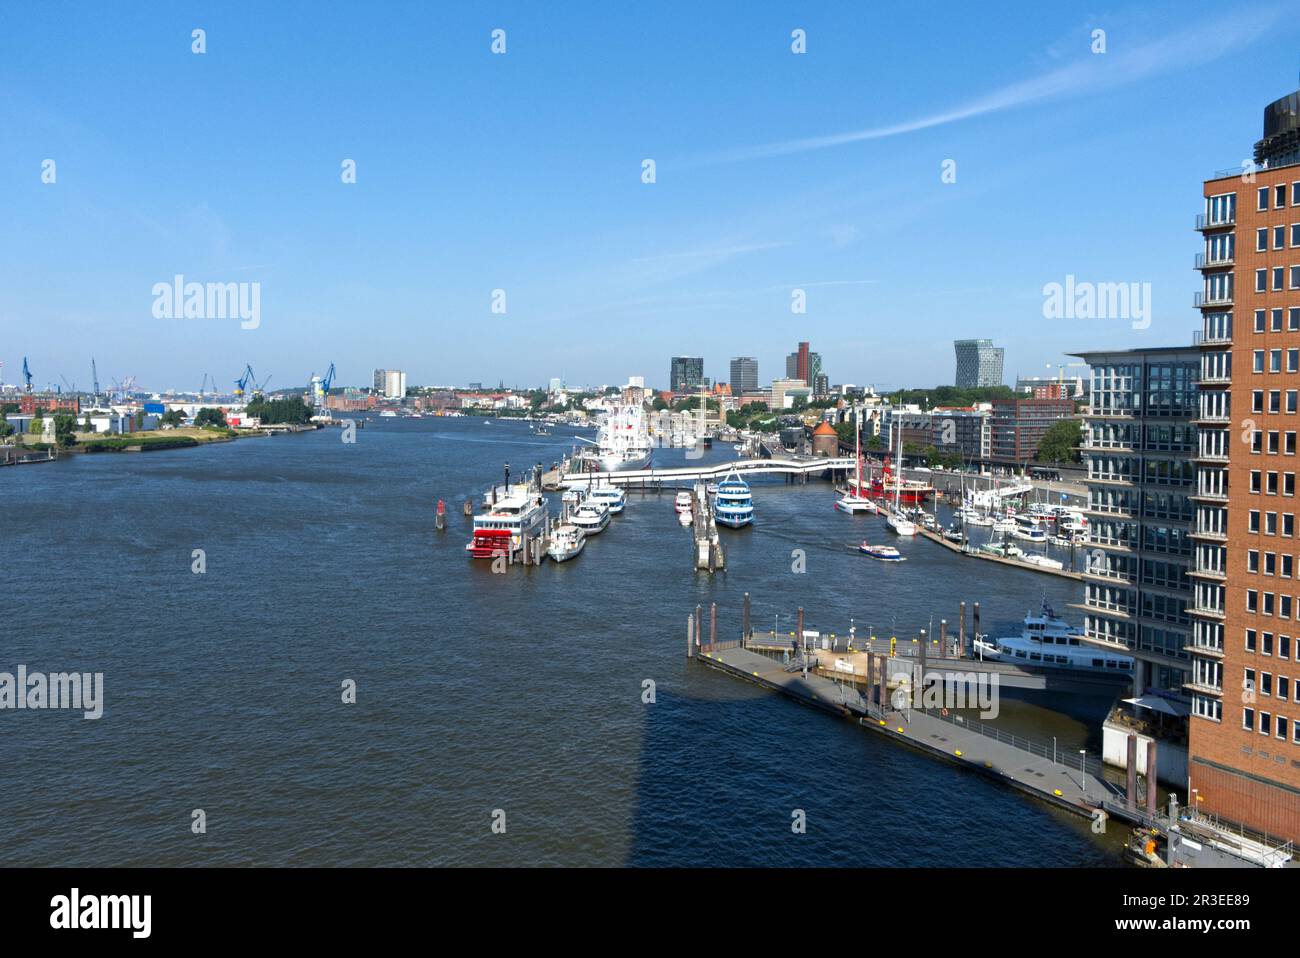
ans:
(1244, 742)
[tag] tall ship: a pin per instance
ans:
(510, 513)
(623, 441)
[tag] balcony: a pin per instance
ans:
(1205, 222)
(1216, 338)
(1207, 300)
(1213, 262)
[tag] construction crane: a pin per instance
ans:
(27, 375)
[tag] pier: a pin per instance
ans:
(704, 527)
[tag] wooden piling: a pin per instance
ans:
(1131, 791)
(1151, 775)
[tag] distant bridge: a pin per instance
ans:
(801, 466)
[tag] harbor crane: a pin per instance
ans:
(247, 379)
(320, 388)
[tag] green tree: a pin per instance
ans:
(1061, 442)
(207, 416)
(65, 429)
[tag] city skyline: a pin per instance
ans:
(455, 196)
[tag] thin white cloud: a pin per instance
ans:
(1193, 46)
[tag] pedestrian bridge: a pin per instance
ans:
(788, 466)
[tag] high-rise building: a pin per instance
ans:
(686, 374)
(979, 363)
(1139, 445)
(744, 375)
(1245, 728)
(390, 383)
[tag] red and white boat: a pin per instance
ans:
(888, 486)
(509, 514)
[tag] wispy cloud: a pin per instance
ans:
(1190, 47)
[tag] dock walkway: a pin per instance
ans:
(1078, 790)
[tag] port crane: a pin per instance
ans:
(247, 379)
(320, 388)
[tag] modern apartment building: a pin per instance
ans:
(979, 363)
(1139, 444)
(686, 374)
(1245, 684)
(744, 375)
(1018, 426)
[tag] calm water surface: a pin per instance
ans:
(475, 691)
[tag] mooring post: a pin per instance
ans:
(744, 627)
(713, 625)
(961, 632)
(1151, 775)
(690, 636)
(1131, 793)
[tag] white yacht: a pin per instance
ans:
(566, 542)
(733, 505)
(1050, 642)
(590, 517)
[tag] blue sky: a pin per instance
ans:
(523, 172)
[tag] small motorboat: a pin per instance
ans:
(883, 553)
(566, 542)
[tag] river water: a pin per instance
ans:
(476, 693)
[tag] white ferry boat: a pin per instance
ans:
(566, 542)
(1050, 642)
(733, 505)
(509, 514)
(611, 497)
(590, 517)
(622, 442)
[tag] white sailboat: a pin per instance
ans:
(854, 501)
(898, 522)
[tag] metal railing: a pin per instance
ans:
(1068, 759)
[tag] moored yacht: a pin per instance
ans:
(1050, 642)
